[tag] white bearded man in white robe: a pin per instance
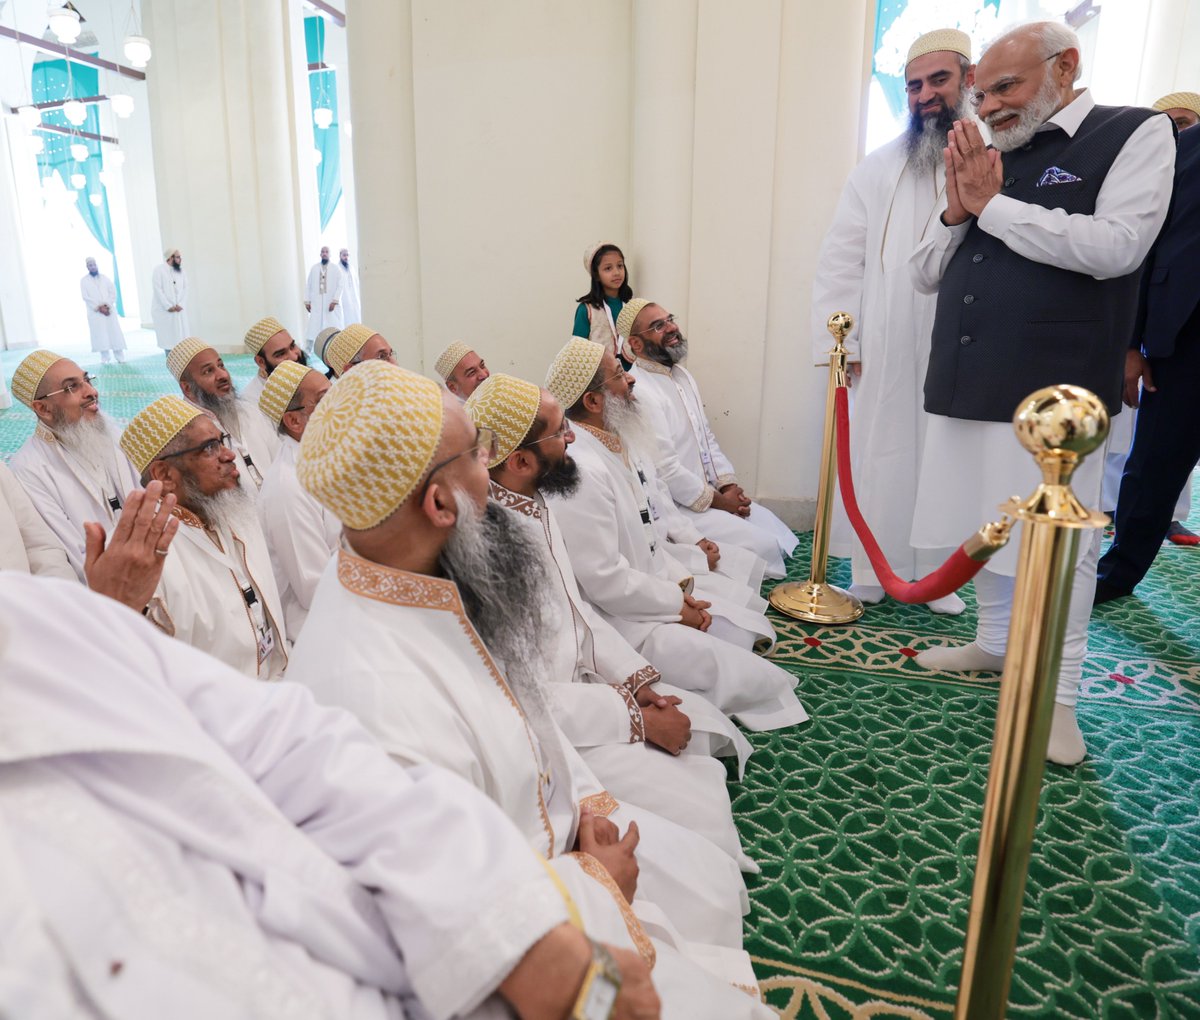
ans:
(625, 567)
(607, 699)
(689, 460)
(889, 204)
(71, 467)
(247, 853)
(205, 383)
(351, 306)
(217, 591)
(100, 299)
(169, 306)
(323, 297)
(301, 534)
(270, 344)
(424, 625)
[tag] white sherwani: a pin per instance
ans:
(885, 211)
(175, 842)
(625, 570)
(692, 465)
(351, 309)
(593, 678)
(26, 542)
(105, 330)
(253, 389)
(170, 289)
(67, 493)
(398, 650)
(325, 284)
(201, 598)
(301, 535)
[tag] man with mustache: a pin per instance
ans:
(1036, 263)
(354, 345)
(100, 299)
(271, 345)
(217, 592)
(461, 369)
(891, 200)
(608, 700)
(323, 297)
(625, 565)
(71, 467)
(169, 310)
(206, 383)
(689, 460)
(428, 626)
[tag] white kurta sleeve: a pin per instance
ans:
(83, 293)
(162, 293)
(605, 576)
(928, 263)
(688, 487)
(594, 714)
(841, 264)
(110, 293)
(310, 285)
(43, 550)
(45, 500)
(1114, 240)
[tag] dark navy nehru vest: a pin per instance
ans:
(1006, 325)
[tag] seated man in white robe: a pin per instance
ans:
(625, 568)
(691, 463)
(217, 590)
(175, 842)
(271, 345)
(301, 534)
(461, 369)
(354, 345)
(71, 467)
(403, 631)
(206, 383)
(605, 697)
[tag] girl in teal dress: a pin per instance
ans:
(596, 315)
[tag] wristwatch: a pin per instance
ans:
(601, 986)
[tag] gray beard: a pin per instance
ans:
(664, 355)
(1033, 115)
(504, 580)
(625, 420)
(926, 136)
(229, 509)
(225, 408)
(91, 442)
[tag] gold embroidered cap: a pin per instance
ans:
(347, 343)
(181, 355)
(322, 341)
(628, 314)
(951, 39)
(508, 406)
(1180, 101)
(280, 389)
(370, 442)
(262, 331)
(152, 428)
(448, 360)
(573, 369)
(29, 374)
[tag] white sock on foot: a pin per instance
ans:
(947, 605)
(871, 594)
(960, 659)
(1066, 745)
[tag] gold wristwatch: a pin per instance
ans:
(601, 985)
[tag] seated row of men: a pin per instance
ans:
(505, 589)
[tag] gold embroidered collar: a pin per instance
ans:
(607, 438)
(396, 587)
(44, 433)
(646, 365)
(187, 517)
(529, 506)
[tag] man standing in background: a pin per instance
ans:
(323, 297)
(351, 307)
(100, 297)
(170, 300)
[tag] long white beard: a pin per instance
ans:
(91, 441)
(1033, 115)
(229, 509)
(226, 409)
(626, 420)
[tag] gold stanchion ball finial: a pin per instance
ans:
(840, 324)
(1066, 418)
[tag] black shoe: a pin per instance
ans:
(1107, 591)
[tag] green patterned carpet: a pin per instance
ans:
(865, 820)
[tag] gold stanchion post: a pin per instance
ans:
(814, 600)
(1059, 425)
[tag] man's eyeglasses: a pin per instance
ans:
(484, 449)
(70, 388)
(210, 448)
(563, 430)
(604, 382)
(655, 327)
(387, 354)
(1004, 86)
(309, 408)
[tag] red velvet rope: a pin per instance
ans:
(949, 577)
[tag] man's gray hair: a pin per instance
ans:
(1053, 36)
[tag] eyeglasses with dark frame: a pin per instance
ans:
(1006, 84)
(484, 448)
(605, 381)
(70, 388)
(209, 448)
(655, 327)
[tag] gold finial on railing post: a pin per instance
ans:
(1059, 425)
(814, 600)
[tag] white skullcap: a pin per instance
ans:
(943, 39)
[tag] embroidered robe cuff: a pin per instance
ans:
(703, 501)
(643, 678)
(637, 726)
(600, 804)
(723, 480)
